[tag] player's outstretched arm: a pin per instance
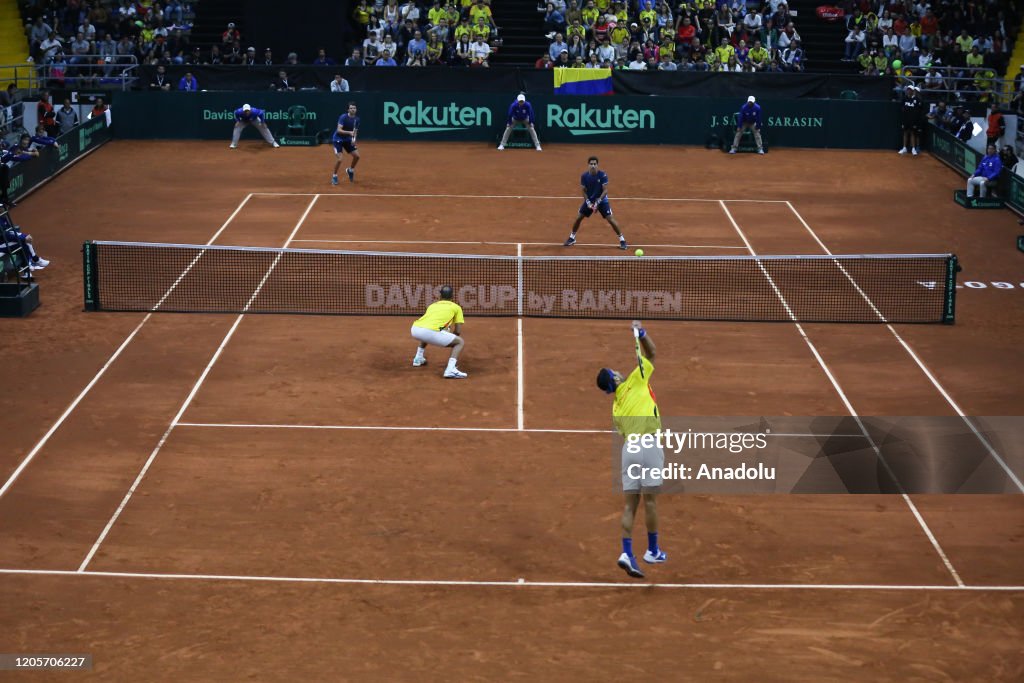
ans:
(645, 341)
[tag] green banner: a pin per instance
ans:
(479, 117)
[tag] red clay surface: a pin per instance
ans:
(470, 506)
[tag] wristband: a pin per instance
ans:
(643, 333)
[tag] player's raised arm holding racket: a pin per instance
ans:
(635, 412)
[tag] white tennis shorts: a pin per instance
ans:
(433, 337)
(637, 469)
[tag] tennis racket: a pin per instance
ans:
(636, 342)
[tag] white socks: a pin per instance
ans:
(451, 364)
(419, 352)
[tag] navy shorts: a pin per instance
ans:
(344, 145)
(604, 208)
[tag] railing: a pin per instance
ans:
(958, 84)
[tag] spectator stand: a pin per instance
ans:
(19, 295)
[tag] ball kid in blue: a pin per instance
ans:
(594, 182)
(344, 140)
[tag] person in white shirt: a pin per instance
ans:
(479, 51)
(339, 84)
(752, 21)
(638, 63)
(855, 40)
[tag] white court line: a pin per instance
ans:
(188, 401)
(847, 404)
(574, 197)
(390, 428)
(519, 344)
(110, 361)
(518, 583)
(528, 244)
(927, 373)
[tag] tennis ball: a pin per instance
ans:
(639, 252)
(897, 64)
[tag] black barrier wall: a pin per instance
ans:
(479, 117)
(70, 146)
(776, 86)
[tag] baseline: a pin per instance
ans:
(521, 582)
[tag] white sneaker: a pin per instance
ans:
(455, 373)
(276, 145)
(32, 267)
(651, 558)
(501, 148)
(903, 150)
(417, 362)
(41, 263)
(914, 151)
(539, 149)
(760, 151)
(232, 146)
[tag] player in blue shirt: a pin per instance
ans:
(520, 113)
(987, 172)
(246, 115)
(595, 196)
(749, 116)
(344, 140)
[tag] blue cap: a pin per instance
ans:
(606, 381)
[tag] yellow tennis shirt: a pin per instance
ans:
(635, 410)
(440, 315)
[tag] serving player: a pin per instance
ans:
(594, 182)
(635, 411)
(433, 328)
(344, 140)
(246, 115)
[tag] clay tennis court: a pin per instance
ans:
(268, 497)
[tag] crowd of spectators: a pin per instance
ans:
(96, 39)
(457, 33)
(647, 35)
(955, 46)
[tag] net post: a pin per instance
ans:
(519, 279)
(90, 277)
(949, 306)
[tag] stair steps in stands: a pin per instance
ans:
(212, 17)
(521, 31)
(822, 41)
(13, 41)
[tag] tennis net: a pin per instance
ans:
(136, 276)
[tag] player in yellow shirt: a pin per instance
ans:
(635, 412)
(433, 328)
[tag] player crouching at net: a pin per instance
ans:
(635, 411)
(246, 115)
(433, 328)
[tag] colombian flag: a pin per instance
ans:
(582, 81)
